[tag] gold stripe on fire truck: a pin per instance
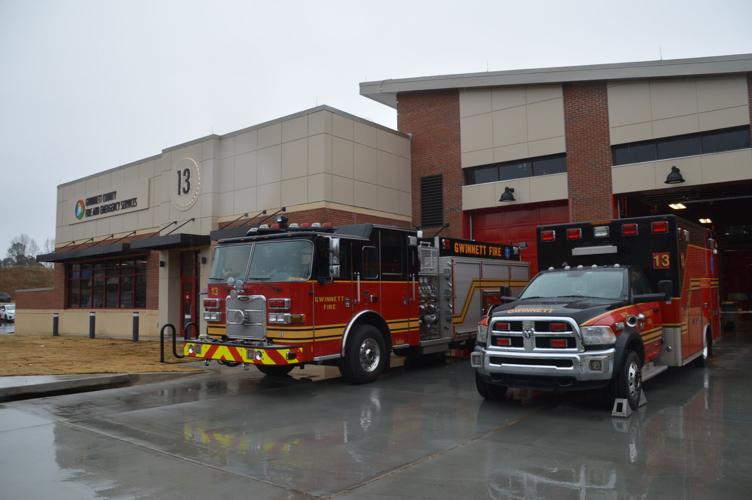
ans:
(481, 283)
(324, 332)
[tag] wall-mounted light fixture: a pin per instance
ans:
(508, 194)
(675, 176)
(162, 263)
(203, 260)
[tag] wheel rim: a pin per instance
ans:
(370, 355)
(634, 380)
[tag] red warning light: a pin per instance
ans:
(659, 227)
(629, 230)
(548, 235)
(574, 233)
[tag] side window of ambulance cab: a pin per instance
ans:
(639, 283)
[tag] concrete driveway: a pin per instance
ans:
(416, 433)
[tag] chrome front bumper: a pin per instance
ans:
(581, 366)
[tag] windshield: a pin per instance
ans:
(230, 261)
(270, 261)
(601, 284)
(11, 307)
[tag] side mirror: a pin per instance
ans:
(666, 287)
(505, 294)
(650, 297)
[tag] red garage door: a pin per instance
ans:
(516, 224)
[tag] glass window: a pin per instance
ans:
(98, 286)
(678, 146)
(514, 170)
(126, 291)
(640, 284)
(634, 153)
(601, 284)
(107, 284)
(725, 140)
(392, 253)
(370, 263)
(140, 294)
(550, 165)
(230, 261)
(281, 261)
(478, 175)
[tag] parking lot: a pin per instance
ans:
(420, 432)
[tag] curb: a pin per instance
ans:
(85, 383)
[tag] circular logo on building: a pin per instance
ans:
(79, 211)
(186, 183)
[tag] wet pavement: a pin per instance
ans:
(7, 328)
(416, 433)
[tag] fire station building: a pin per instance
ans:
(491, 154)
(495, 154)
(137, 238)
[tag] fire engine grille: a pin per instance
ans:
(532, 334)
(246, 317)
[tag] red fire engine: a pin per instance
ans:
(292, 294)
(620, 302)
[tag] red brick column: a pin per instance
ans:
(588, 151)
(433, 120)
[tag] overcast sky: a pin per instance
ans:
(89, 85)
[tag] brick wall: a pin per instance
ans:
(433, 120)
(44, 298)
(588, 151)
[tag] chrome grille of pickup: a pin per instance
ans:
(246, 317)
(535, 334)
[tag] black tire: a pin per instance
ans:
(365, 355)
(275, 370)
(492, 392)
(628, 382)
(707, 351)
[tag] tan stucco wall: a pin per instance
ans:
(526, 190)
(650, 109)
(109, 323)
(508, 123)
(701, 169)
(316, 156)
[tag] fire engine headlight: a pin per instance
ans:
(597, 335)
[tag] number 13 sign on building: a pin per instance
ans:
(186, 183)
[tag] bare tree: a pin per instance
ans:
(22, 251)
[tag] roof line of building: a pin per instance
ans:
(322, 107)
(385, 91)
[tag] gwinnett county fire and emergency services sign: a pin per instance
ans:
(129, 197)
(185, 183)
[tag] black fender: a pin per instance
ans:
(628, 340)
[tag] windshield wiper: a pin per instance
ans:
(260, 278)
